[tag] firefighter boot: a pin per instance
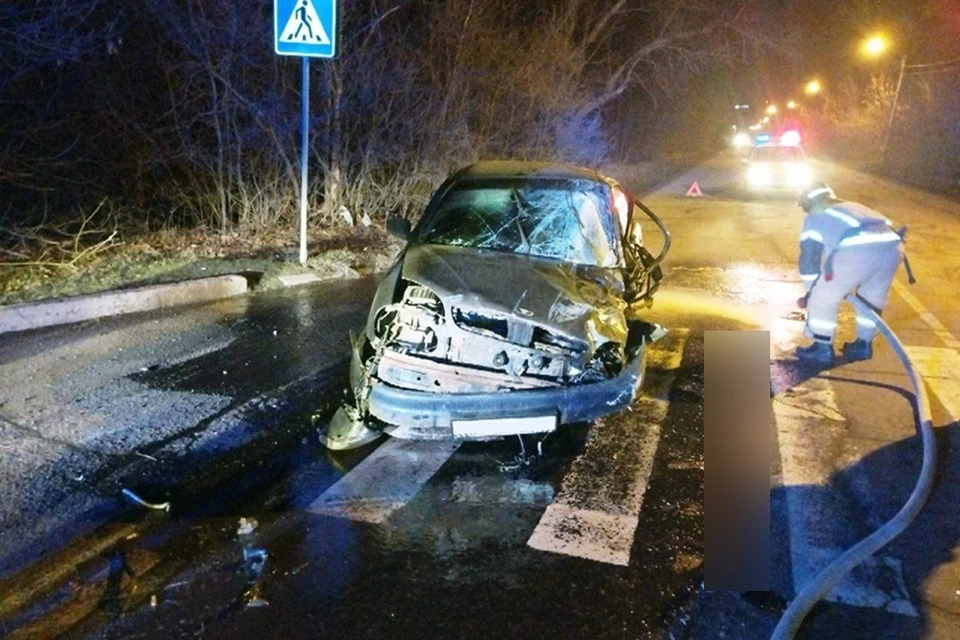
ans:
(818, 352)
(858, 350)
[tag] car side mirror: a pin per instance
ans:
(399, 227)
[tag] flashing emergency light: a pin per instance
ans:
(790, 138)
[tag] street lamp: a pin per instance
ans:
(792, 104)
(772, 110)
(813, 87)
(874, 46)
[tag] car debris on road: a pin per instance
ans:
(161, 506)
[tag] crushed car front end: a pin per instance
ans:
(476, 342)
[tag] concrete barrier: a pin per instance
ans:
(32, 315)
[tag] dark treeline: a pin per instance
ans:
(178, 112)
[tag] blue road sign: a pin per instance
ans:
(305, 28)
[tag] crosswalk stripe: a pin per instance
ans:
(809, 424)
(588, 519)
(384, 481)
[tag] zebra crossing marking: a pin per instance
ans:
(384, 481)
(586, 522)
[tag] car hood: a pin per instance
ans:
(580, 302)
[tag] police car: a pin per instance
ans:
(777, 167)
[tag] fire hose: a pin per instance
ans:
(832, 574)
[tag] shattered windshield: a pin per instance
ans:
(564, 220)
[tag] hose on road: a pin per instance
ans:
(833, 573)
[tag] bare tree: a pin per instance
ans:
(38, 42)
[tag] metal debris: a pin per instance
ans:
(162, 506)
(253, 563)
(174, 585)
(522, 459)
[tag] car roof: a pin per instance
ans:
(492, 169)
(777, 145)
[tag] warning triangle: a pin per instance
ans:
(304, 25)
(694, 190)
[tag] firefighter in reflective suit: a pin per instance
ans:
(844, 247)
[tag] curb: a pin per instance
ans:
(33, 315)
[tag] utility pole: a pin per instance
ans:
(893, 111)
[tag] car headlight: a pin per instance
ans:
(741, 140)
(800, 174)
(758, 174)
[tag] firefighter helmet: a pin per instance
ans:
(817, 195)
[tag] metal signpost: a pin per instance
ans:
(305, 28)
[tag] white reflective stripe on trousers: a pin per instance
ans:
(821, 325)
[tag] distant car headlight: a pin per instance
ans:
(741, 140)
(758, 174)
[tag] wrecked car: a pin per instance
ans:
(510, 311)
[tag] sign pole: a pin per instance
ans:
(305, 99)
(305, 28)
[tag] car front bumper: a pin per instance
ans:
(424, 415)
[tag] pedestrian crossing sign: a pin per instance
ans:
(305, 28)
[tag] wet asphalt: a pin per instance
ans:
(453, 563)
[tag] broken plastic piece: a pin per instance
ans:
(657, 333)
(162, 506)
(254, 561)
(254, 555)
(347, 430)
(247, 525)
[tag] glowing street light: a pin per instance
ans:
(772, 110)
(813, 88)
(766, 119)
(874, 46)
(792, 104)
